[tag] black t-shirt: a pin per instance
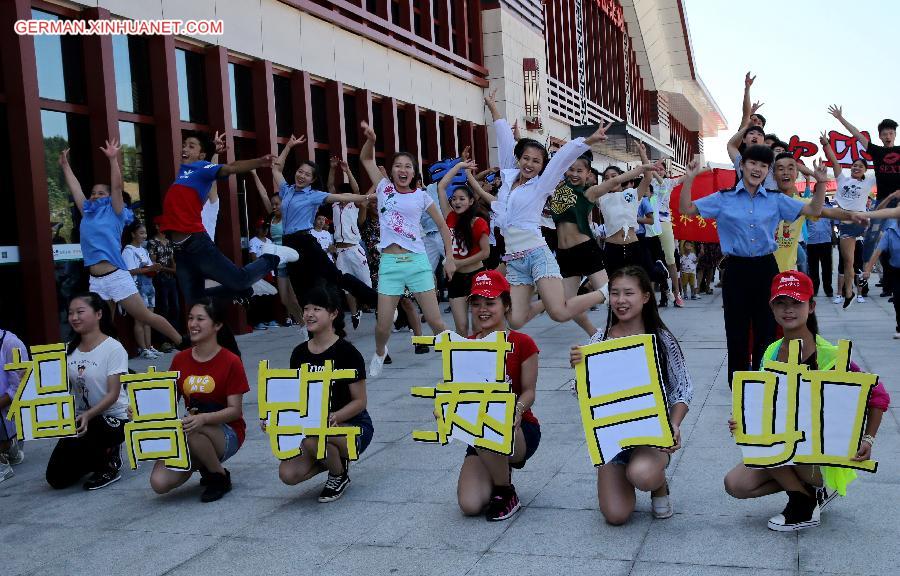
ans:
(344, 355)
(887, 168)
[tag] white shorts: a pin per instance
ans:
(434, 247)
(115, 286)
(353, 261)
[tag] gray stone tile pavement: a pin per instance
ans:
(399, 515)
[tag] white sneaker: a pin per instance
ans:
(662, 507)
(837, 299)
(303, 333)
(263, 288)
(6, 471)
(896, 335)
(605, 291)
(860, 299)
(598, 335)
(14, 454)
(377, 364)
(284, 253)
(148, 354)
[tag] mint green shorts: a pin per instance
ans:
(399, 271)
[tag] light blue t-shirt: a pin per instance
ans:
(644, 208)
(298, 207)
(746, 224)
(101, 232)
(890, 242)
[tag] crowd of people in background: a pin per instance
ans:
(537, 234)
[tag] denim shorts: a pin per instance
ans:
(366, 430)
(282, 272)
(850, 230)
(231, 443)
(409, 270)
(532, 266)
(624, 457)
(532, 434)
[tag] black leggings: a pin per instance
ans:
(315, 266)
(819, 257)
(745, 295)
(75, 456)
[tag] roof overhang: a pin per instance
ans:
(621, 142)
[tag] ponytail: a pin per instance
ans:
(93, 300)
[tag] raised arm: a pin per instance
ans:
(213, 195)
(829, 153)
(685, 205)
(475, 184)
(598, 190)
(263, 195)
(239, 166)
(644, 186)
(71, 181)
(278, 167)
(888, 198)
(813, 208)
(447, 179)
(838, 113)
(367, 155)
(491, 102)
(565, 156)
(351, 179)
(748, 109)
(449, 263)
(332, 168)
(111, 151)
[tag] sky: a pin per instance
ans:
(805, 54)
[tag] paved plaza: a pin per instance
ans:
(399, 516)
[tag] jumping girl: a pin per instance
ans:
(213, 383)
(404, 262)
(485, 479)
(632, 310)
(471, 241)
(809, 488)
(104, 217)
(529, 177)
(347, 404)
(95, 362)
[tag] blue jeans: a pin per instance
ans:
(197, 259)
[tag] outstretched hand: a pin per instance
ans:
(599, 134)
(111, 149)
(756, 106)
(693, 169)
(64, 158)
(466, 153)
(368, 132)
(823, 140)
(836, 111)
(219, 142)
(293, 141)
(748, 80)
(491, 99)
(819, 171)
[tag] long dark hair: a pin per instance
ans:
(653, 323)
(525, 143)
(314, 184)
(128, 232)
(93, 300)
(327, 296)
(462, 232)
(215, 309)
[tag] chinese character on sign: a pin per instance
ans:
(295, 405)
(474, 403)
(621, 397)
(155, 431)
(42, 406)
(789, 414)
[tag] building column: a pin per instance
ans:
(391, 136)
(334, 110)
(432, 152)
(100, 89)
(28, 176)
(449, 145)
(301, 101)
(363, 114)
(164, 87)
(412, 133)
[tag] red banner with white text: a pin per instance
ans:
(697, 228)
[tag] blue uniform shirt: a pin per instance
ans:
(298, 207)
(101, 232)
(890, 242)
(819, 231)
(746, 223)
(644, 208)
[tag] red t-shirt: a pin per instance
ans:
(523, 349)
(479, 229)
(184, 199)
(207, 385)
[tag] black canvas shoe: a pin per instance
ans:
(217, 486)
(100, 479)
(849, 301)
(354, 319)
(503, 505)
(802, 511)
(421, 349)
(334, 487)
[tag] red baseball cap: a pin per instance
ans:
(792, 284)
(489, 284)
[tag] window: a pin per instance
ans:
(59, 64)
(240, 82)
(191, 86)
(351, 122)
(320, 113)
(131, 58)
(12, 313)
(378, 125)
(284, 111)
(140, 183)
(401, 128)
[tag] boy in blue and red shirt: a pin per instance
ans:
(197, 258)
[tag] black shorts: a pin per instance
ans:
(532, 434)
(460, 285)
(493, 260)
(580, 260)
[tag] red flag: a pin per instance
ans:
(697, 228)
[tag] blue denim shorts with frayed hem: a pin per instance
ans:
(532, 266)
(231, 443)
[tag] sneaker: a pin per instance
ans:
(802, 511)
(824, 497)
(596, 337)
(273, 324)
(354, 319)
(503, 505)
(334, 488)
(6, 471)
(861, 299)
(261, 326)
(663, 303)
(263, 288)
(147, 354)
(388, 359)
(217, 486)
(155, 351)
(377, 365)
(695, 297)
(897, 335)
(679, 301)
(837, 299)
(165, 348)
(663, 269)
(421, 349)
(100, 479)
(661, 506)
(447, 310)
(14, 454)
(115, 459)
(849, 301)
(284, 253)
(303, 333)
